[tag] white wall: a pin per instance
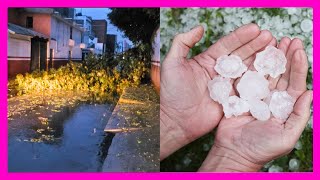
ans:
(19, 47)
(61, 32)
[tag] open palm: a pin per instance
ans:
(186, 106)
(253, 143)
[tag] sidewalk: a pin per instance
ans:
(135, 122)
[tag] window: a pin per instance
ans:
(70, 32)
(29, 23)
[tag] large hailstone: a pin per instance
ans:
(253, 85)
(230, 66)
(259, 109)
(271, 61)
(235, 106)
(281, 104)
(306, 25)
(219, 89)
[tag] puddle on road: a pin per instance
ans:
(72, 140)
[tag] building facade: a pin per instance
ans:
(41, 38)
(99, 28)
(86, 23)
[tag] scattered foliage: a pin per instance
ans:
(99, 76)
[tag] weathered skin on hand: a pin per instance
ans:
(250, 143)
(187, 111)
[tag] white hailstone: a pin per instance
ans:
(287, 24)
(280, 34)
(218, 19)
(291, 31)
(298, 145)
(294, 164)
(260, 22)
(298, 12)
(275, 168)
(271, 61)
(306, 25)
(235, 106)
(304, 13)
(281, 104)
(297, 29)
(268, 164)
(253, 85)
(292, 11)
(294, 19)
(219, 89)
(228, 10)
(227, 18)
(228, 28)
(310, 123)
(186, 161)
(230, 66)
(246, 19)
(237, 22)
(206, 147)
(259, 109)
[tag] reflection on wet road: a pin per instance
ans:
(70, 140)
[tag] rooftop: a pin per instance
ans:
(15, 29)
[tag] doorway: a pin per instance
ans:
(38, 54)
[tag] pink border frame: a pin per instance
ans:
(315, 4)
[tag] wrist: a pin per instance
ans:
(221, 159)
(172, 136)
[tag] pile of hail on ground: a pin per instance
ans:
(252, 87)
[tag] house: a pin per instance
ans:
(40, 38)
(99, 28)
(23, 45)
(94, 36)
(86, 23)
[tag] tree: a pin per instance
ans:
(138, 24)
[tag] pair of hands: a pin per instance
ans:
(187, 112)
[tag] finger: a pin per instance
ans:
(284, 79)
(182, 43)
(298, 119)
(247, 50)
(283, 46)
(298, 74)
(233, 41)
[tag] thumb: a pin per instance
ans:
(298, 119)
(183, 42)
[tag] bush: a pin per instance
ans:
(96, 75)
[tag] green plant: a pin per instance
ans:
(99, 76)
